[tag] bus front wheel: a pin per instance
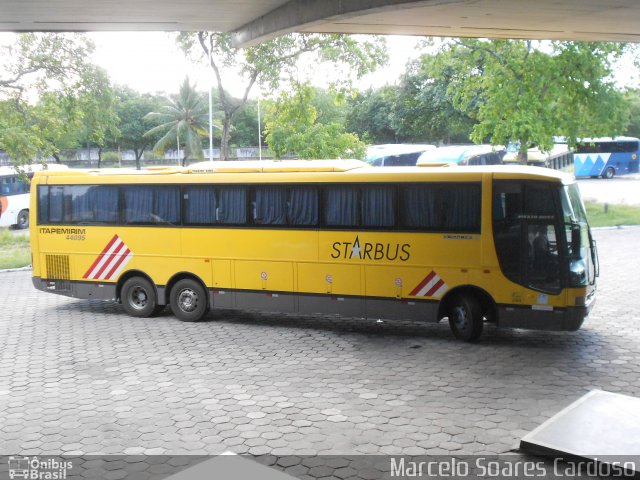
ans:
(139, 297)
(465, 317)
(188, 300)
(23, 220)
(609, 173)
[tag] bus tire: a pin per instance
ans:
(465, 317)
(188, 300)
(22, 221)
(139, 297)
(609, 173)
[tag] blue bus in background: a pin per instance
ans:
(606, 157)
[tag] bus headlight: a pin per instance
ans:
(577, 273)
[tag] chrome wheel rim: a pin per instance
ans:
(138, 298)
(460, 318)
(187, 300)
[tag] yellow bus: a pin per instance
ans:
(471, 244)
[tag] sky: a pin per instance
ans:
(151, 62)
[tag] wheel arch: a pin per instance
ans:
(487, 303)
(182, 276)
(130, 274)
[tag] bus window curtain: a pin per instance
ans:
(152, 204)
(302, 206)
(342, 206)
(378, 206)
(418, 207)
(200, 205)
(270, 206)
(232, 206)
(460, 208)
(94, 204)
(56, 204)
(166, 205)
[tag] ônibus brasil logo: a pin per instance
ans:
(113, 258)
(35, 468)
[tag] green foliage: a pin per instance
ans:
(184, 118)
(292, 126)
(517, 91)
(632, 99)
(51, 68)
(424, 112)
(612, 215)
(271, 63)
(132, 108)
(14, 250)
(373, 115)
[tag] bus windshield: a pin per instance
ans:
(582, 261)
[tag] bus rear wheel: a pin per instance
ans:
(139, 297)
(465, 317)
(23, 220)
(609, 173)
(188, 300)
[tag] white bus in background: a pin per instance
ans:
(396, 154)
(559, 157)
(14, 193)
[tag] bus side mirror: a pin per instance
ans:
(575, 238)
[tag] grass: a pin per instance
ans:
(14, 250)
(608, 215)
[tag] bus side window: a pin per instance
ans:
(302, 206)
(151, 204)
(43, 204)
(342, 206)
(232, 205)
(378, 206)
(507, 228)
(269, 206)
(200, 205)
(94, 203)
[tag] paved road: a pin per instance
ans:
(624, 189)
(82, 377)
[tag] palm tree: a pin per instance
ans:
(183, 119)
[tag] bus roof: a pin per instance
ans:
(29, 168)
(608, 139)
(299, 171)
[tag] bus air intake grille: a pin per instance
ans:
(58, 270)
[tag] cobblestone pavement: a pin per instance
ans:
(80, 377)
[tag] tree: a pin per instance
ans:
(184, 118)
(274, 61)
(132, 108)
(373, 115)
(423, 111)
(632, 98)
(53, 69)
(292, 126)
(527, 91)
(96, 102)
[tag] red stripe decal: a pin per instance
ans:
(115, 267)
(106, 249)
(426, 280)
(107, 264)
(434, 289)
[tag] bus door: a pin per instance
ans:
(527, 237)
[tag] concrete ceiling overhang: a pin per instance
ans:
(253, 21)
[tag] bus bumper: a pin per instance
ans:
(567, 319)
(88, 290)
